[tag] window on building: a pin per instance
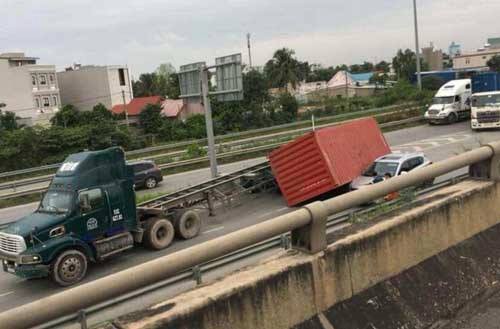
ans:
(121, 76)
(43, 79)
(467, 61)
(54, 100)
(52, 79)
(37, 102)
(46, 102)
(33, 80)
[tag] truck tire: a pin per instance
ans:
(68, 268)
(158, 233)
(188, 225)
(453, 117)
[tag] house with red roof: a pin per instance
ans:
(180, 109)
(136, 105)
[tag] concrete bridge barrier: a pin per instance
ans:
(297, 290)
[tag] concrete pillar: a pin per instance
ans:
(312, 238)
(489, 168)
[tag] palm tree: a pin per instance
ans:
(283, 68)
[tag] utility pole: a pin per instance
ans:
(419, 77)
(208, 121)
(125, 107)
(346, 85)
(249, 51)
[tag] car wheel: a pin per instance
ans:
(150, 182)
(452, 118)
(159, 233)
(69, 268)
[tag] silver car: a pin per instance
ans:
(393, 164)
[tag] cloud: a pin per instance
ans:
(143, 34)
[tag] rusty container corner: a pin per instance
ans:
(326, 159)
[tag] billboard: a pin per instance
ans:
(189, 80)
(229, 78)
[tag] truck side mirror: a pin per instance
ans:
(84, 202)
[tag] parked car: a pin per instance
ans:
(146, 174)
(393, 164)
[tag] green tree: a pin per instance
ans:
(283, 69)
(405, 64)
(382, 66)
(8, 121)
(151, 119)
(379, 78)
(289, 106)
(173, 89)
(195, 126)
(67, 116)
(319, 73)
(494, 63)
(165, 69)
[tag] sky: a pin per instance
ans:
(144, 33)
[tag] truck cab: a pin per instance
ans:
(87, 214)
(485, 110)
(451, 103)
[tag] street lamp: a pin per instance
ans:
(419, 77)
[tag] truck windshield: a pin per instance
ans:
(56, 201)
(486, 100)
(381, 168)
(443, 100)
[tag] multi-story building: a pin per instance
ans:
(28, 89)
(454, 49)
(474, 60)
(433, 57)
(86, 86)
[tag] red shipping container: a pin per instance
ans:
(326, 159)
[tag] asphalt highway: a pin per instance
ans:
(437, 142)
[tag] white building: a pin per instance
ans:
(474, 60)
(86, 86)
(29, 90)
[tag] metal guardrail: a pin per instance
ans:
(217, 138)
(195, 274)
(307, 224)
(194, 161)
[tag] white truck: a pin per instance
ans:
(451, 103)
(485, 110)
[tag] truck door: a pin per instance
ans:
(94, 213)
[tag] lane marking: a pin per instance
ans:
(213, 230)
(6, 293)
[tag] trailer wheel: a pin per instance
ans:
(188, 225)
(68, 268)
(158, 233)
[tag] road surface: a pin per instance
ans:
(437, 142)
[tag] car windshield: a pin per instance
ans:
(381, 168)
(486, 100)
(443, 100)
(56, 202)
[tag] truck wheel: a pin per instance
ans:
(150, 182)
(452, 118)
(69, 268)
(188, 225)
(158, 233)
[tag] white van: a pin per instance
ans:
(451, 103)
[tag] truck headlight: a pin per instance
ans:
(30, 259)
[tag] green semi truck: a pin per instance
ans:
(88, 214)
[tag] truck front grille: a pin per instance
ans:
(433, 112)
(488, 116)
(12, 244)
